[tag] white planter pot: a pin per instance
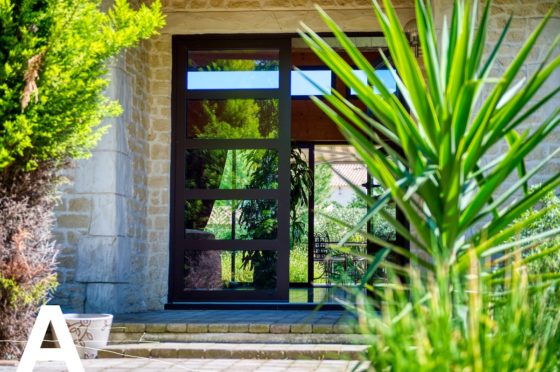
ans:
(90, 332)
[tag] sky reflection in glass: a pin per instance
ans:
(385, 75)
(300, 86)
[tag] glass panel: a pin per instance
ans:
(379, 225)
(323, 294)
(231, 169)
(301, 86)
(232, 118)
(385, 75)
(299, 219)
(230, 270)
(233, 69)
(335, 197)
(231, 219)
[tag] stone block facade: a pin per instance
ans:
(114, 215)
(102, 218)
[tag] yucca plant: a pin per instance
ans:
(428, 153)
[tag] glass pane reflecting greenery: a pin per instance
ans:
(333, 197)
(231, 219)
(334, 167)
(232, 118)
(233, 60)
(299, 264)
(230, 270)
(231, 169)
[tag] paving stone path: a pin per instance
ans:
(232, 321)
(237, 316)
(196, 365)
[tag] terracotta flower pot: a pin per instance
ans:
(90, 332)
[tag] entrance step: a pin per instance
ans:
(237, 326)
(235, 351)
(345, 333)
(253, 338)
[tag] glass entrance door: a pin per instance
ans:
(322, 270)
(230, 239)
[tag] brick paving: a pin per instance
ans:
(237, 317)
(235, 321)
(237, 326)
(195, 365)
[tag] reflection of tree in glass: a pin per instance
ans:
(300, 184)
(205, 168)
(240, 166)
(239, 118)
(232, 118)
(259, 219)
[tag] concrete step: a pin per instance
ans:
(299, 332)
(235, 351)
(252, 338)
(237, 327)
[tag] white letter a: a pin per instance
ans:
(33, 351)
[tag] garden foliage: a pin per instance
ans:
(425, 326)
(54, 57)
(467, 303)
(53, 66)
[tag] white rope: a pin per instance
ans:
(122, 355)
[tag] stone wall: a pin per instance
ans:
(113, 220)
(101, 219)
(272, 16)
(527, 15)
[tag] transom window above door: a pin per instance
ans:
(258, 69)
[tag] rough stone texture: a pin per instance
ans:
(113, 220)
(300, 328)
(236, 328)
(134, 327)
(197, 328)
(103, 259)
(342, 328)
(279, 328)
(217, 328)
(322, 328)
(155, 328)
(259, 5)
(259, 328)
(176, 327)
(103, 222)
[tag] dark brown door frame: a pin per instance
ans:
(178, 243)
(178, 100)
